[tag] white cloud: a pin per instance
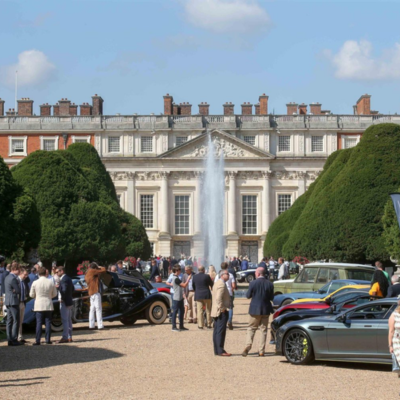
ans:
(33, 68)
(227, 16)
(355, 61)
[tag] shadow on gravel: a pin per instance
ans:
(348, 365)
(44, 356)
(22, 382)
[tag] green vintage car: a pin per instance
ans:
(315, 275)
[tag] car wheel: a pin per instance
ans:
(156, 313)
(250, 278)
(297, 347)
(129, 320)
(56, 324)
(286, 302)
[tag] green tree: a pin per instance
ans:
(391, 231)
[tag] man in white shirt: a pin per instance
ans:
(169, 282)
(231, 286)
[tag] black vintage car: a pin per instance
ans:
(125, 298)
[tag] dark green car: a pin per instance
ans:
(359, 334)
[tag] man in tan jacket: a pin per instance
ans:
(95, 289)
(219, 311)
(43, 291)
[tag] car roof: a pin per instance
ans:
(346, 265)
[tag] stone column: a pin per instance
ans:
(232, 238)
(198, 243)
(164, 237)
(301, 175)
(131, 192)
(266, 202)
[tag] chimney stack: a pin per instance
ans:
(315, 108)
(247, 109)
(291, 108)
(25, 107)
(176, 109)
(303, 109)
(2, 107)
(10, 112)
(168, 101)
(229, 108)
(64, 106)
(86, 109)
(97, 102)
(263, 104)
(73, 109)
(204, 108)
(45, 110)
(186, 109)
(257, 108)
(56, 109)
(364, 105)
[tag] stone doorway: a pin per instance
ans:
(181, 248)
(251, 250)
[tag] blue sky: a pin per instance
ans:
(134, 52)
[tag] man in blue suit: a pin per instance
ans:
(261, 293)
(66, 290)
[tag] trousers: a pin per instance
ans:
(177, 306)
(219, 333)
(192, 310)
(21, 319)
(66, 318)
(255, 322)
(12, 323)
(96, 306)
(200, 304)
(43, 316)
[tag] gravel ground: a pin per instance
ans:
(151, 362)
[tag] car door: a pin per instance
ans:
(382, 335)
(356, 335)
(305, 280)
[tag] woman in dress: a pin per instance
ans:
(212, 272)
(394, 333)
(379, 284)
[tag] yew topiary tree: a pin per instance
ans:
(391, 231)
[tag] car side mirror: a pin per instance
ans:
(328, 300)
(342, 318)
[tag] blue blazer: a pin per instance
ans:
(67, 290)
(261, 293)
(12, 290)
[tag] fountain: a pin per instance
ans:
(212, 200)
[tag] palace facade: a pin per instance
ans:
(157, 162)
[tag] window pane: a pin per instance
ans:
(182, 215)
(17, 145)
(146, 210)
(114, 144)
(284, 202)
(284, 143)
(317, 143)
(350, 142)
(250, 140)
(146, 144)
(249, 215)
(180, 140)
(81, 140)
(49, 144)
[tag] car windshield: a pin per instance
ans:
(324, 288)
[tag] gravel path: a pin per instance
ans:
(151, 362)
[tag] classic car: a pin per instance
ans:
(358, 335)
(330, 287)
(315, 275)
(355, 299)
(126, 298)
(334, 298)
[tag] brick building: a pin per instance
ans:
(157, 162)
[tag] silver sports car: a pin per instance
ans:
(359, 335)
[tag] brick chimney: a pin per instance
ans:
(64, 106)
(364, 105)
(97, 102)
(25, 107)
(291, 108)
(56, 109)
(168, 101)
(257, 108)
(45, 110)
(204, 108)
(73, 109)
(176, 109)
(186, 109)
(303, 108)
(247, 109)
(315, 108)
(10, 112)
(2, 107)
(86, 109)
(229, 109)
(263, 104)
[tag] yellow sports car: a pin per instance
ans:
(343, 288)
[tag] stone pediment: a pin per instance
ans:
(224, 143)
